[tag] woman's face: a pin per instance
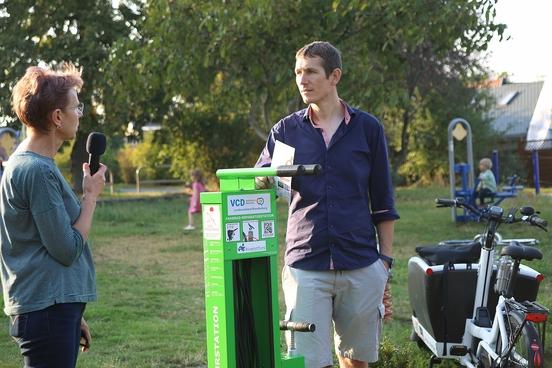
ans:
(70, 116)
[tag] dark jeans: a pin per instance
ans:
(484, 193)
(49, 338)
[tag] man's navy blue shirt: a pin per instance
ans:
(332, 216)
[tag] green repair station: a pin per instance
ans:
(240, 246)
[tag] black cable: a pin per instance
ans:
(246, 344)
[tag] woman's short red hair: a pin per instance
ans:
(41, 91)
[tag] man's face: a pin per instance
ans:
(311, 79)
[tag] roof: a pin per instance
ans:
(515, 104)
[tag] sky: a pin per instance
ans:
(527, 55)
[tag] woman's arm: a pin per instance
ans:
(92, 186)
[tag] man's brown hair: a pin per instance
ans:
(331, 56)
(41, 91)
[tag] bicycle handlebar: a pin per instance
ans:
(536, 221)
(492, 213)
(445, 202)
(295, 170)
(252, 172)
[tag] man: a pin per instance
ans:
(333, 270)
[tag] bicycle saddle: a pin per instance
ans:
(453, 253)
(519, 251)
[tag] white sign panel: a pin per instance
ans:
(249, 247)
(248, 204)
(233, 232)
(283, 156)
(250, 230)
(268, 229)
(212, 227)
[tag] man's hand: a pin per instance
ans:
(388, 303)
(86, 338)
(264, 182)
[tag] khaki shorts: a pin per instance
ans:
(352, 300)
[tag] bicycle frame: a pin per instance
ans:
(489, 336)
(480, 334)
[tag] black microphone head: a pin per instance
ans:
(95, 144)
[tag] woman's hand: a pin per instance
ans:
(93, 185)
(86, 338)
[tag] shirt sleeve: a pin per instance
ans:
(265, 158)
(63, 242)
(380, 185)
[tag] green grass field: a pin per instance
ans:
(150, 281)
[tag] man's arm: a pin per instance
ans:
(386, 230)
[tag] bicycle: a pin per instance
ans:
(456, 313)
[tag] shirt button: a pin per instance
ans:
(331, 226)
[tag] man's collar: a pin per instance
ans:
(349, 112)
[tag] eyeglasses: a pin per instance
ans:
(79, 108)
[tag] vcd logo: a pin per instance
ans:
(260, 201)
(238, 202)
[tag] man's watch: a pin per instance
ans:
(390, 261)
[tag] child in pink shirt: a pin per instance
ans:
(195, 206)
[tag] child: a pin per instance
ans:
(195, 206)
(487, 182)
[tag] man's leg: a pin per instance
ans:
(351, 363)
(358, 312)
(308, 299)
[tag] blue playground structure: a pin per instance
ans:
(460, 129)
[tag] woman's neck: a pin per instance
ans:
(43, 144)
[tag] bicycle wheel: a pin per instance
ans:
(527, 351)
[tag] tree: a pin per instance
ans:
(236, 59)
(51, 32)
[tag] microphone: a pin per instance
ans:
(95, 146)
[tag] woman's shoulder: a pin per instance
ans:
(30, 166)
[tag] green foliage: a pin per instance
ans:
(401, 59)
(63, 160)
(209, 140)
(145, 156)
(408, 62)
(51, 32)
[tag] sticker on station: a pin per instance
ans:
(268, 229)
(250, 247)
(250, 230)
(249, 204)
(233, 232)
(212, 227)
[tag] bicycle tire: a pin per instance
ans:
(528, 351)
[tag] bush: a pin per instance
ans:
(209, 140)
(145, 155)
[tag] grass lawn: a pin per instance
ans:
(150, 281)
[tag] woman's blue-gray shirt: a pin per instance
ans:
(43, 259)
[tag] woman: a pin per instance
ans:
(46, 265)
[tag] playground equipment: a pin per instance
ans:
(240, 256)
(460, 129)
